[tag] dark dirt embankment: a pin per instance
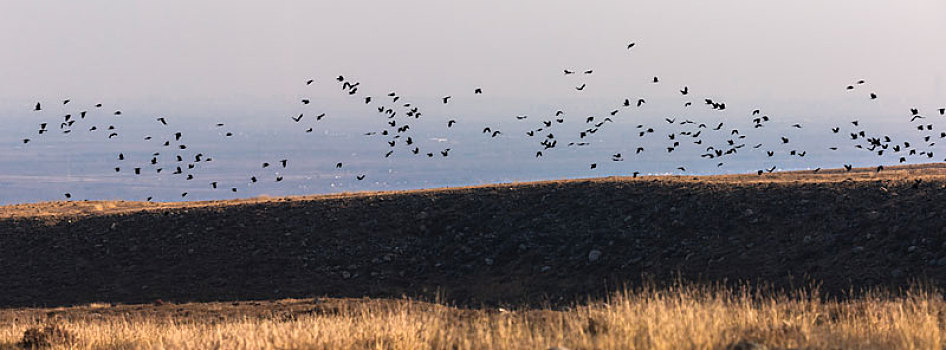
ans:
(548, 241)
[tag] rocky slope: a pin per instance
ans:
(554, 242)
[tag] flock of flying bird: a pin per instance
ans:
(172, 155)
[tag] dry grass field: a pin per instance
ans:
(672, 318)
(610, 263)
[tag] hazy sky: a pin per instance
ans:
(245, 62)
(244, 54)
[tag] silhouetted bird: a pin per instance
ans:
(163, 121)
(445, 99)
(478, 91)
(594, 165)
(629, 46)
(360, 177)
(309, 82)
(38, 107)
(873, 96)
(579, 88)
(339, 165)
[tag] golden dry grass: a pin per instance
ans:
(676, 318)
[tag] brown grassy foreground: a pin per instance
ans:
(675, 318)
(325, 272)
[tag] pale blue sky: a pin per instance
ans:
(244, 63)
(250, 53)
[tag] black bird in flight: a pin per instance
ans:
(589, 71)
(478, 91)
(579, 88)
(451, 122)
(942, 111)
(656, 80)
(38, 107)
(685, 90)
(594, 165)
(338, 166)
(163, 121)
(297, 119)
(873, 96)
(68, 195)
(360, 177)
(283, 162)
(629, 46)
(567, 72)
(445, 99)
(309, 82)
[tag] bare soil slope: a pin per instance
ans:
(538, 242)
